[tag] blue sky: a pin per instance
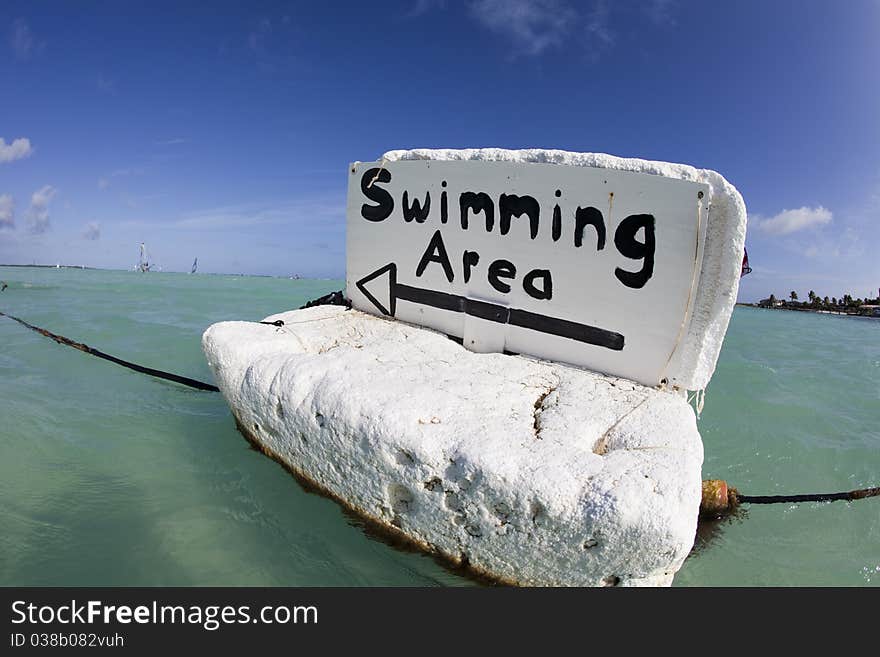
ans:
(224, 131)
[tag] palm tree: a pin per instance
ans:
(793, 295)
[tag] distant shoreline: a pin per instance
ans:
(207, 273)
(853, 313)
(51, 266)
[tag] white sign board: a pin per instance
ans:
(589, 266)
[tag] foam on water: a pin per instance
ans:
(111, 477)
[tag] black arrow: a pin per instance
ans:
(484, 310)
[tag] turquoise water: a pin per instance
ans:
(111, 477)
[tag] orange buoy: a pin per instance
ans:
(718, 499)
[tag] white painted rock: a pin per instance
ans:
(531, 472)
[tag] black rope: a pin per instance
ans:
(720, 499)
(816, 497)
(333, 299)
(60, 339)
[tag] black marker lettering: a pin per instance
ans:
(546, 289)
(626, 242)
(557, 223)
(479, 202)
(418, 211)
(498, 270)
(512, 205)
(436, 252)
(593, 217)
(469, 259)
(375, 193)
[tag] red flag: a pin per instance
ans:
(745, 265)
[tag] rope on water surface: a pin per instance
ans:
(719, 499)
(849, 496)
(168, 376)
(334, 298)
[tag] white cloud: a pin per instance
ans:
(255, 215)
(597, 24)
(22, 41)
(38, 213)
(132, 171)
(848, 245)
(92, 231)
(791, 221)
(533, 25)
(7, 211)
(19, 149)
(311, 211)
(660, 11)
(423, 6)
(104, 181)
